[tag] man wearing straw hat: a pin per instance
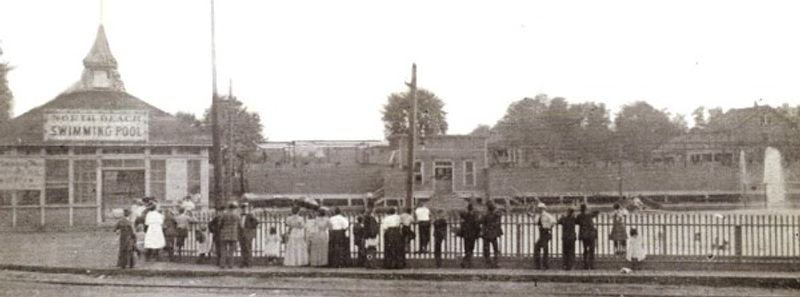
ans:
(546, 221)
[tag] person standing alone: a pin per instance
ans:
(229, 234)
(247, 232)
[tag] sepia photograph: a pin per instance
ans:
(399, 148)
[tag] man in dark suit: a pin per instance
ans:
(170, 229)
(492, 230)
(127, 241)
(247, 232)
(439, 235)
(470, 230)
(214, 228)
(587, 235)
(229, 234)
(567, 223)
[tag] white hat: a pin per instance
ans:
(541, 205)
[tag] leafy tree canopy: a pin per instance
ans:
(431, 117)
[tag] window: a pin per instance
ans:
(84, 150)
(189, 151)
(418, 176)
(5, 198)
(161, 151)
(56, 182)
(469, 173)
(193, 176)
(126, 163)
(57, 150)
(85, 182)
(29, 151)
(158, 178)
(28, 197)
(123, 151)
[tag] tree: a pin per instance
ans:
(431, 117)
(640, 128)
(481, 130)
(555, 130)
(243, 127)
(188, 118)
(6, 97)
(714, 115)
(699, 117)
(679, 121)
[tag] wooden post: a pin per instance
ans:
(412, 123)
(215, 136)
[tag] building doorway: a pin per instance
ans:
(442, 177)
(120, 188)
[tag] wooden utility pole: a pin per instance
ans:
(215, 137)
(412, 133)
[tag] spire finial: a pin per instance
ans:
(230, 88)
(102, 12)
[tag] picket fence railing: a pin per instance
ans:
(698, 236)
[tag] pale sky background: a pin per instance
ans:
(323, 69)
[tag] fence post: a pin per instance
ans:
(737, 240)
(519, 240)
(664, 239)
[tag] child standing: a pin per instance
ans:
(635, 251)
(139, 240)
(204, 242)
(272, 248)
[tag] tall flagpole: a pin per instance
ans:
(215, 137)
(412, 127)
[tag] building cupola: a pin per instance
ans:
(100, 67)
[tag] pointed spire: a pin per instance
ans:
(100, 55)
(100, 70)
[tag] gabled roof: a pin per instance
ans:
(165, 129)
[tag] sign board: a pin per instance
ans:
(21, 174)
(96, 125)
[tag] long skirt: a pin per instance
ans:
(318, 249)
(393, 248)
(296, 249)
(339, 249)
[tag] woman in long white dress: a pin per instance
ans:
(296, 247)
(154, 238)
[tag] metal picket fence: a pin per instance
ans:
(693, 236)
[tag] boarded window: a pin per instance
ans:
(5, 198)
(85, 182)
(193, 176)
(28, 197)
(56, 182)
(158, 178)
(469, 173)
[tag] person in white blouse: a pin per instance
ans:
(340, 252)
(154, 238)
(423, 217)
(392, 240)
(541, 249)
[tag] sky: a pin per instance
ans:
(324, 69)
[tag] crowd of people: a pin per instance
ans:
(320, 238)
